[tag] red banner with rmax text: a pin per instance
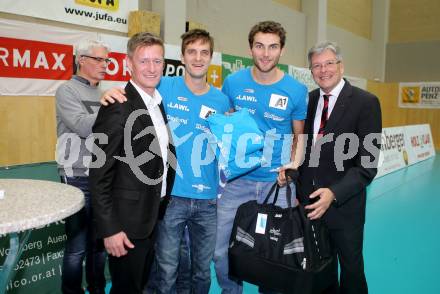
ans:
(34, 59)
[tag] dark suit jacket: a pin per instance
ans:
(356, 111)
(120, 200)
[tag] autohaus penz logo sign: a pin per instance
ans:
(419, 95)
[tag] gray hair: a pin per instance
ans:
(85, 47)
(320, 47)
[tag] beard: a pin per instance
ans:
(272, 66)
(197, 75)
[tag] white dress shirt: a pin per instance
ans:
(334, 94)
(152, 104)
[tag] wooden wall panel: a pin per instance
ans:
(143, 21)
(414, 21)
(27, 129)
(351, 15)
(192, 25)
(292, 4)
(393, 115)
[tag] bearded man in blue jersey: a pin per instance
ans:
(277, 102)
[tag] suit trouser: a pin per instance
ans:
(348, 245)
(130, 272)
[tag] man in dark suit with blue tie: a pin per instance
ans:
(342, 128)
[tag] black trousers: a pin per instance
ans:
(130, 272)
(348, 246)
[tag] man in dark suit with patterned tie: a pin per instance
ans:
(342, 128)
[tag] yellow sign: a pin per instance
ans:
(410, 94)
(112, 5)
(215, 75)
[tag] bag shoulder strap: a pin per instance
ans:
(275, 187)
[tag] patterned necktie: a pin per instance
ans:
(324, 115)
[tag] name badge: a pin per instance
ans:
(261, 224)
(206, 111)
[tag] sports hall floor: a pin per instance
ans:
(402, 235)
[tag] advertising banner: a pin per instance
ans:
(393, 154)
(403, 146)
(23, 63)
(39, 268)
(419, 95)
(35, 59)
(106, 14)
(358, 82)
(304, 76)
(419, 143)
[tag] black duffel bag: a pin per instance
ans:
(280, 249)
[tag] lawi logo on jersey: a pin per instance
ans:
(112, 5)
(278, 101)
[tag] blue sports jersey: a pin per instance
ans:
(197, 172)
(273, 107)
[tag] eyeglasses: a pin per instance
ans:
(98, 59)
(327, 64)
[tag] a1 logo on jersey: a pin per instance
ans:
(206, 111)
(278, 101)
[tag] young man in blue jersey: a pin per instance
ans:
(278, 105)
(188, 102)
